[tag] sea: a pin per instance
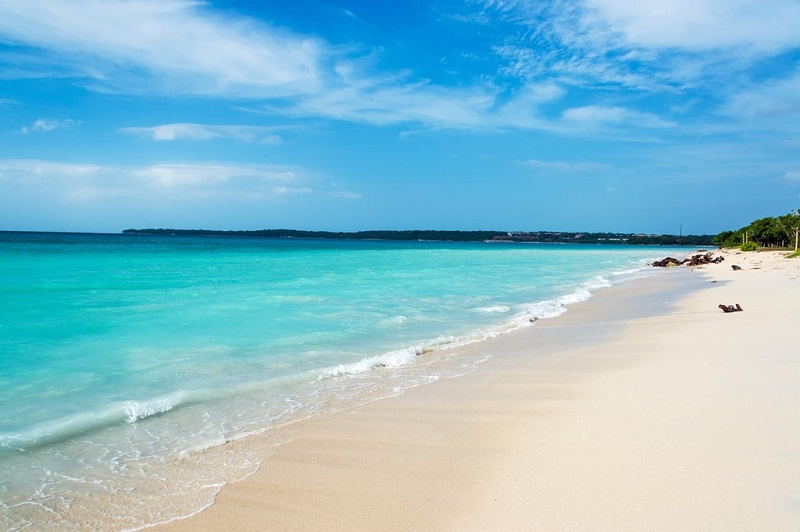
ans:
(132, 367)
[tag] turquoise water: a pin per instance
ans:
(128, 362)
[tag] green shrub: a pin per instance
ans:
(749, 246)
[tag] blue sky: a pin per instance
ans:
(593, 115)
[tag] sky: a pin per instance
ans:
(346, 115)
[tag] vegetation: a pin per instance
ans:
(780, 232)
(453, 236)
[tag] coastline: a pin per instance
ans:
(643, 407)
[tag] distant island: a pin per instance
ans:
(545, 237)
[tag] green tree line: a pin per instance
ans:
(769, 232)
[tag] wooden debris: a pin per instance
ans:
(695, 260)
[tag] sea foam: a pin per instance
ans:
(391, 359)
(136, 410)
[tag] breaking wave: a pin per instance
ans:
(125, 412)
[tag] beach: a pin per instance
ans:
(645, 407)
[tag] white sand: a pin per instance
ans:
(684, 420)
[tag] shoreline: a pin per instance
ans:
(623, 423)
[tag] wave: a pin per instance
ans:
(629, 272)
(597, 282)
(500, 309)
(133, 411)
(119, 413)
(553, 308)
(528, 315)
(393, 321)
(391, 359)
(136, 410)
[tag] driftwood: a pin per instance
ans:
(731, 308)
(695, 260)
(668, 261)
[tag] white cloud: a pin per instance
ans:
(385, 102)
(188, 47)
(651, 45)
(565, 166)
(768, 26)
(597, 115)
(42, 125)
(184, 131)
(75, 180)
(88, 197)
(283, 190)
(777, 99)
(35, 169)
(394, 103)
(271, 140)
(183, 45)
(344, 194)
(211, 175)
(759, 25)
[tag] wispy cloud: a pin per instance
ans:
(33, 169)
(187, 47)
(74, 180)
(180, 46)
(383, 104)
(81, 196)
(765, 26)
(280, 190)
(775, 99)
(186, 131)
(548, 49)
(212, 175)
(565, 36)
(344, 194)
(336, 192)
(387, 102)
(43, 126)
(597, 115)
(561, 166)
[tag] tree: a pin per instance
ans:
(729, 239)
(781, 231)
(766, 232)
(790, 225)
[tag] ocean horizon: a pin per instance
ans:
(130, 361)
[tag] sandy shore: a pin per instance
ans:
(645, 408)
